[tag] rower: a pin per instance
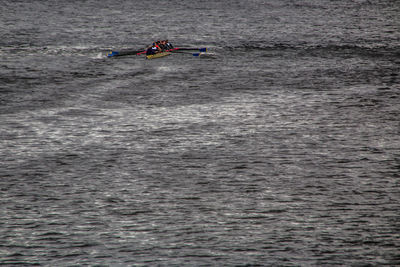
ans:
(152, 49)
(168, 44)
(163, 46)
(158, 43)
(149, 51)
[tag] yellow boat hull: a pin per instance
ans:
(162, 54)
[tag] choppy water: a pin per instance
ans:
(283, 150)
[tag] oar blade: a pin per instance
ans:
(113, 54)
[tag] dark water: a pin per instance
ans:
(282, 150)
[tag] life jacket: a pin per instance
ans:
(150, 51)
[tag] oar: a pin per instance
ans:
(186, 51)
(210, 55)
(192, 48)
(181, 52)
(124, 53)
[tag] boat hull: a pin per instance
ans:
(158, 55)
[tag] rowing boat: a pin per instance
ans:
(142, 51)
(162, 54)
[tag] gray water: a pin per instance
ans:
(283, 149)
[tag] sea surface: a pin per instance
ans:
(280, 148)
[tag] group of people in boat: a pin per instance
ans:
(159, 46)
